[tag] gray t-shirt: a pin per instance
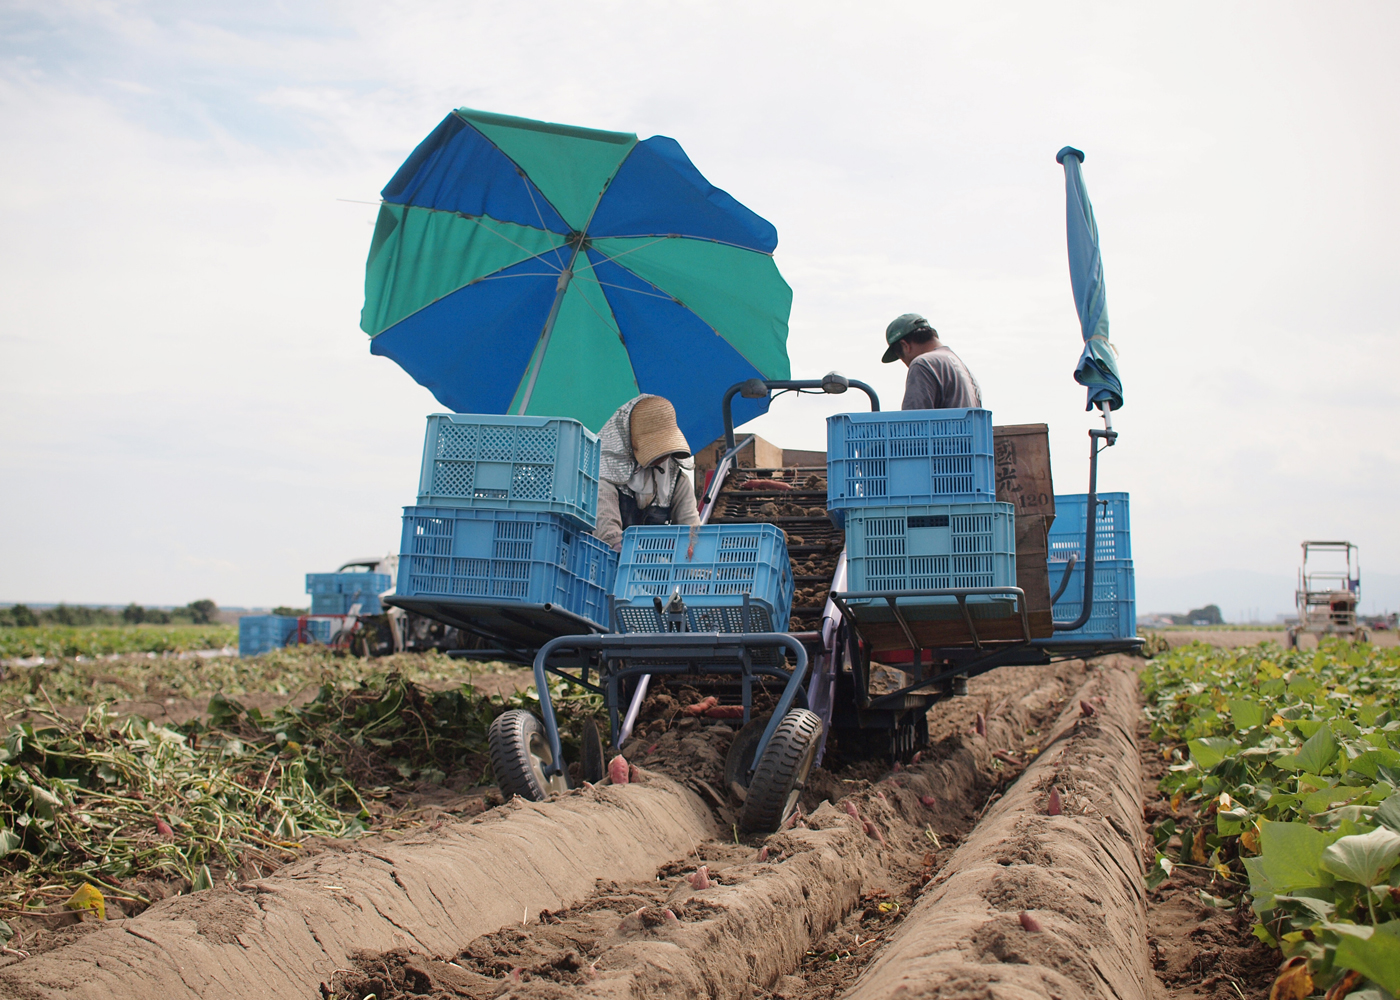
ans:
(938, 380)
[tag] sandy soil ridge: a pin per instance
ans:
(283, 935)
(1035, 905)
(769, 905)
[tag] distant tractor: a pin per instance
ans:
(1327, 597)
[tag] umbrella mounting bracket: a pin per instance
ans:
(1109, 437)
(834, 384)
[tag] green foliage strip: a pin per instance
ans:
(107, 799)
(1291, 760)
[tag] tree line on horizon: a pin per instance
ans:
(202, 612)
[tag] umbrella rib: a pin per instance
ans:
(638, 291)
(614, 257)
(540, 215)
(518, 246)
(497, 233)
(683, 236)
(531, 274)
(613, 327)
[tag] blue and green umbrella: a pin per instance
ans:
(1098, 363)
(520, 266)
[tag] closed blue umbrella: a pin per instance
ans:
(1098, 363)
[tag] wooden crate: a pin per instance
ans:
(1033, 571)
(1022, 457)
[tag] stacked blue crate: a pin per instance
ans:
(715, 567)
(505, 556)
(1114, 612)
(258, 634)
(506, 507)
(543, 464)
(932, 546)
(337, 593)
(916, 493)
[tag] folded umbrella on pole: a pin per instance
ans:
(521, 266)
(1098, 363)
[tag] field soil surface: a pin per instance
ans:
(1006, 861)
(1233, 638)
(1198, 950)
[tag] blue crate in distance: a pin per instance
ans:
(336, 593)
(503, 557)
(348, 583)
(727, 562)
(901, 457)
(258, 634)
(493, 462)
(340, 604)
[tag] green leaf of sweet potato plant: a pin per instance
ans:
(1365, 859)
(1210, 751)
(1388, 812)
(1372, 951)
(1246, 714)
(1319, 751)
(1290, 858)
(1294, 771)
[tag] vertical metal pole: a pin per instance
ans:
(565, 276)
(1086, 609)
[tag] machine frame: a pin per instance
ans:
(1327, 599)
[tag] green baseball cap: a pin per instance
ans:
(900, 328)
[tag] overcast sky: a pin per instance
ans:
(187, 195)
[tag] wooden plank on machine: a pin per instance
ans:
(757, 454)
(1033, 571)
(886, 637)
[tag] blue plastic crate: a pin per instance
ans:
(932, 546)
(259, 634)
(907, 457)
(336, 593)
(1115, 609)
(503, 557)
(728, 561)
(340, 604)
(1112, 538)
(348, 583)
(511, 463)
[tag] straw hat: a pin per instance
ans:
(654, 431)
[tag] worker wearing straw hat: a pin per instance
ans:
(641, 474)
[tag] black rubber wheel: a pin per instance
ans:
(519, 753)
(593, 768)
(782, 772)
(739, 761)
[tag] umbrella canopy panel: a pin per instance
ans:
(520, 266)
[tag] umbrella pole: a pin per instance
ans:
(565, 276)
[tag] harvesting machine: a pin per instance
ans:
(852, 669)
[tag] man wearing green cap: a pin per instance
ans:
(938, 379)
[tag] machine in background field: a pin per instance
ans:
(1327, 598)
